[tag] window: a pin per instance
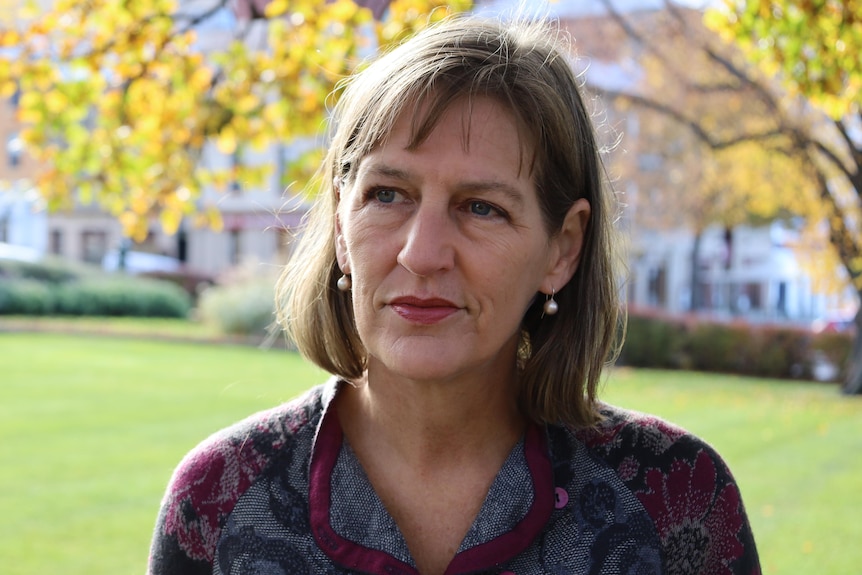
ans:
(94, 246)
(781, 304)
(182, 246)
(657, 286)
(235, 186)
(234, 247)
(751, 297)
(55, 242)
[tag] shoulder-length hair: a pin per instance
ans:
(524, 67)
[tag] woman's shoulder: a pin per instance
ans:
(624, 432)
(683, 484)
(241, 450)
(209, 480)
(656, 458)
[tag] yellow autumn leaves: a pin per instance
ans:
(813, 45)
(118, 100)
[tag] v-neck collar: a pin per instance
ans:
(505, 526)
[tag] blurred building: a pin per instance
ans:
(23, 221)
(748, 271)
(745, 271)
(257, 221)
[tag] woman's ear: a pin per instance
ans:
(566, 246)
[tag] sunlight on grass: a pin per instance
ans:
(91, 428)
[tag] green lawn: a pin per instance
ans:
(91, 427)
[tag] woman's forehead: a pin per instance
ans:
(469, 115)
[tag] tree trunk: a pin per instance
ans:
(853, 383)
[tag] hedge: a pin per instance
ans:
(26, 297)
(737, 347)
(57, 289)
(52, 270)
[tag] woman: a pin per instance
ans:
(456, 279)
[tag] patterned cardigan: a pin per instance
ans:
(283, 493)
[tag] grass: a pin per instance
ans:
(91, 427)
(116, 326)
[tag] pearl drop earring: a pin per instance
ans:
(551, 307)
(344, 283)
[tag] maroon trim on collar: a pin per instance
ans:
(489, 554)
(510, 544)
(343, 551)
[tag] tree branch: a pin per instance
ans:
(842, 129)
(833, 159)
(855, 154)
(192, 21)
(790, 136)
(766, 96)
(638, 38)
(699, 131)
(839, 236)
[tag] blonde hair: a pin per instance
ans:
(524, 67)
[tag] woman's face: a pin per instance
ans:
(446, 246)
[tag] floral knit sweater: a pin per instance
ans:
(283, 493)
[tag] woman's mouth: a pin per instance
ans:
(423, 311)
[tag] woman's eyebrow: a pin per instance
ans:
(386, 171)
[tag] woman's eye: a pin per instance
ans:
(385, 196)
(481, 209)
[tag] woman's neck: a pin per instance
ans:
(431, 450)
(433, 423)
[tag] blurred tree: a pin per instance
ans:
(793, 121)
(812, 45)
(119, 99)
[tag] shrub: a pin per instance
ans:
(25, 297)
(834, 348)
(193, 283)
(54, 271)
(713, 347)
(783, 352)
(122, 296)
(653, 342)
(761, 350)
(244, 307)
(56, 287)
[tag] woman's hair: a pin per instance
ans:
(524, 67)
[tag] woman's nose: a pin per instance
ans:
(429, 241)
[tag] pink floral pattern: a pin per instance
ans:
(628, 469)
(209, 481)
(685, 487)
(693, 512)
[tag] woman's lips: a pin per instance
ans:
(423, 311)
